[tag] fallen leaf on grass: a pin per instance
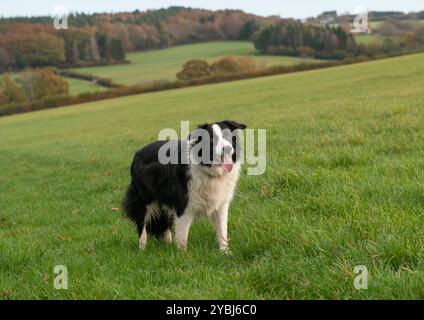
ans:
(46, 278)
(90, 249)
(65, 238)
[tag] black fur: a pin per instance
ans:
(151, 182)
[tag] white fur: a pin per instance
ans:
(221, 143)
(210, 192)
(168, 236)
(143, 238)
(151, 210)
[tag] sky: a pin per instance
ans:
(285, 8)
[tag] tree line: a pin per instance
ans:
(25, 45)
(325, 42)
(97, 39)
(307, 40)
(106, 38)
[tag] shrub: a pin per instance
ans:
(306, 52)
(3, 98)
(194, 69)
(225, 65)
(12, 90)
(373, 49)
(42, 83)
(198, 69)
(246, 64)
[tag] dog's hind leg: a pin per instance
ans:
(142, 240)
(140, 221)
(182, 227)
(167, 236)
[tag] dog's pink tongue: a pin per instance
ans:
(227, 163)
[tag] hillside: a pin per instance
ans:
(157, 65)
(343, 188)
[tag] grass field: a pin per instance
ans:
(77, 86)
(157, 65)
(344, 187)
(368, 38)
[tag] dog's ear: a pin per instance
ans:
(203, 126)
(194, 137)
(234, 125)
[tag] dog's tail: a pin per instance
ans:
(132, 205)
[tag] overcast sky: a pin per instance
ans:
(284, 8)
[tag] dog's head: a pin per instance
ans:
(216, 145)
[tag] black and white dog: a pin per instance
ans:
(200, 181)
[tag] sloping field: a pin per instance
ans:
(344, 187)
(157, 65)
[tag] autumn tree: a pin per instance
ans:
(194, 69)
(225, 65)
(5, 60)
(42, 83)
(110, 48)
(12, 91)
(197, 69)
(117, 51)
(3, 98)
(36, 49)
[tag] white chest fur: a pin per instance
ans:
(207, 193)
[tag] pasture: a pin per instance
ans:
(163, 65)
(344, 187)
(77, 86)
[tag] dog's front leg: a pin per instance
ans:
(182, 227)
(220, 221)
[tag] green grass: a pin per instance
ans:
(343, 187)
(158, 65)
(77, 86)
(368, 38)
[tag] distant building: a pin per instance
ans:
(327, 17)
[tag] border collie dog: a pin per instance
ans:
(174, 182)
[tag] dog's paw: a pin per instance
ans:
(182, 247)
(226, 251)
(167, 237)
